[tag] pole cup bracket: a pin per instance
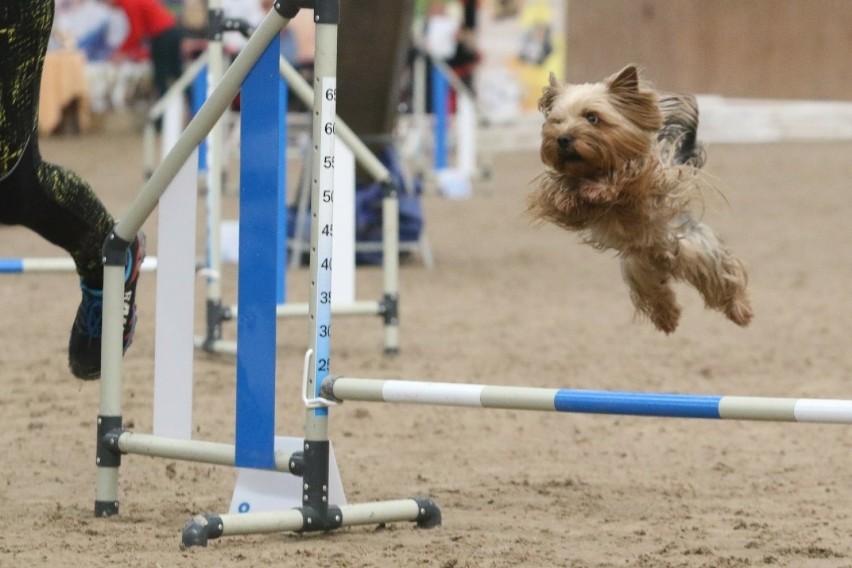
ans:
(216, 314)
(307, 398)
(390, 309)
(109, 429)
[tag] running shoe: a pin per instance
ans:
(84, 347)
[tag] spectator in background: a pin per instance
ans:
(450, 35)
(466, 57)
(90, 26)
(153, 32)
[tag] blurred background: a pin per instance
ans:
(101, 55)
(787, 49)
(101, 68)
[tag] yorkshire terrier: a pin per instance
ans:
(623, 170)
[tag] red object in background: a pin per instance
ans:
(146, 19)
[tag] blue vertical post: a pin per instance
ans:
(199, 95)
(281, 263)
(440, 101)
(260, 179)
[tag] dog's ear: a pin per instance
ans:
(635, 99)
(549, 94)
(626, 80)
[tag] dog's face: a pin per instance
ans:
(593, 128)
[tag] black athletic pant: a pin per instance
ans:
(54, 202)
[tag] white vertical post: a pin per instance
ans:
(465, 134)
(172, 125)
(343, 240)
(215, 159)
(173, 342)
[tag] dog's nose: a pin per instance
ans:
(565, 141)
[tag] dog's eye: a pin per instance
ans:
(592, 118)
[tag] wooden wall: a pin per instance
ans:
(788, 49)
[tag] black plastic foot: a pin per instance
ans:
(200, 529)
(430, 514)
(106, 508)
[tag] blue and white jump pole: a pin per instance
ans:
(666, 405)
(51, 264)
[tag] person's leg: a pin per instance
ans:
(52, 201)
(61, 207)
(166, 59)
(24, 30)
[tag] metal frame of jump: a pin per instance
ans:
(216, 311)
(311, 464)
(388, 306)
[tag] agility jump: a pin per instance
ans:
(312, 464)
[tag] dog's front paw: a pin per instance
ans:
(739, 310)
(665, 317)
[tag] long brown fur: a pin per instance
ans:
(622, 169)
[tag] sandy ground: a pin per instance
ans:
(507, 304)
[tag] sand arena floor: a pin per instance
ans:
(507, 304)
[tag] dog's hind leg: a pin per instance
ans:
(651, 291)
(703, 261)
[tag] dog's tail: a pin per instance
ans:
(678, 137)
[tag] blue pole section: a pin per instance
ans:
(260, 176)
(11, 265)
(199, 95)
(440, 100)
(281, 262)
(637, 404)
